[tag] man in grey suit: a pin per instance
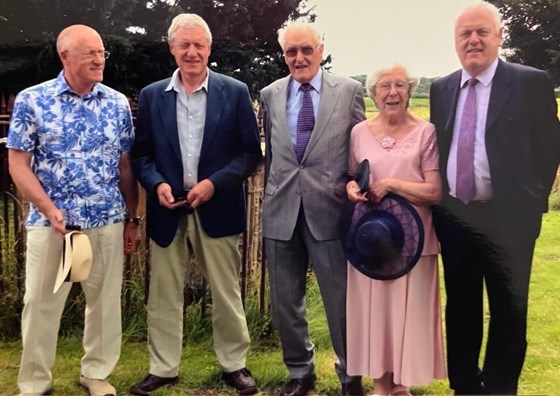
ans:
(308, 118)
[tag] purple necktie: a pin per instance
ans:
(465, 187)
(305, 121)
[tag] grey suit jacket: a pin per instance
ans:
(319, 182)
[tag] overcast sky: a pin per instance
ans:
(365, 35)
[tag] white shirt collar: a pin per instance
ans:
(177, 85)
(484, 78)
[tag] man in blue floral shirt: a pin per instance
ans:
(69, 140)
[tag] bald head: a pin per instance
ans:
(72, 36)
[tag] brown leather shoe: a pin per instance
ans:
(242, 380)
(151, 383)
(298, 386)
(353, 387)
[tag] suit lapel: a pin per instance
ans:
(168, 111)
(214, 107)
(451, 95)
(280, 97)
(501, 92)
(327, 104)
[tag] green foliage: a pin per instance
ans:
(244, 38)
(533, 33)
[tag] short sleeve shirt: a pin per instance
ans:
(76, 144)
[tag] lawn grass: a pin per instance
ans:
(200, 374)
(418, 106)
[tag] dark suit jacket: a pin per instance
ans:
(522, 141)
(230, 152)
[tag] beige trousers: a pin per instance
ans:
(42, 310)
(219, 262)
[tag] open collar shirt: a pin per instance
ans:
(76, 144)
(191, 118)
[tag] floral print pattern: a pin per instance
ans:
(76, 144)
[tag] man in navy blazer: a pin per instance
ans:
(489, 239)
(196, 142)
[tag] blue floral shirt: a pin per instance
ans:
(76, 144)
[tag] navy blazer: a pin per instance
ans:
(522, 141)
(229, 154)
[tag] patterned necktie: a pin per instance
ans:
(465, 186)
(305, 121)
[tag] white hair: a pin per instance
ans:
(187, 21)
(483, 5)
(372, 80)
(297, 26)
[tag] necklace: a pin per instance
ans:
(388, 143)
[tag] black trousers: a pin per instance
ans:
(477, 252)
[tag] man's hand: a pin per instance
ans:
(131, 237)
(165, 197)
(201, 192)
(56, 218)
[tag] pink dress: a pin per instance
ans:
(395, 326)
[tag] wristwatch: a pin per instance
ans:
(135, 220)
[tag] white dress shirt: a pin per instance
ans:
(482, 178)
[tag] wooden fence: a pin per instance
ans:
(12, 237)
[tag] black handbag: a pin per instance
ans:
(362, 176)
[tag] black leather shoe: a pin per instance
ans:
(151, 383)
(353, 388)
(242, 380)
(298, 386)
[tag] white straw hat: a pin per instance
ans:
(75, 262)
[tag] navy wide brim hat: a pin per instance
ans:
(384, 240)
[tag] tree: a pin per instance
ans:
(533, 33)
(244, 38)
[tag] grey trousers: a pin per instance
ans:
(287, 263)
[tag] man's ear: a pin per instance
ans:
(63, 55)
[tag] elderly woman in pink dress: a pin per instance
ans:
(394, 326)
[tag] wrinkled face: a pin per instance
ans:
(302, 54)
(84, 61)
(392, 92)
(191, 50)
(477, 40)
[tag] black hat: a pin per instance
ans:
(385, 240)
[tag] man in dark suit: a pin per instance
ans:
(491, 211)
(304, 196)
(196, 142)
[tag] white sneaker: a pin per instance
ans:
(98, 387)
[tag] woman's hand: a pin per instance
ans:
(380, 188)
(353, 192)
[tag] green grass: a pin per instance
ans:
(418, 106)
(200, 374)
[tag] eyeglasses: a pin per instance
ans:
(400, 86)
(95, 54)
(307, 50)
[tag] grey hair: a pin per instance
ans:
(297, 26)
(372, 80)
(483, 5)
(188, 20)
